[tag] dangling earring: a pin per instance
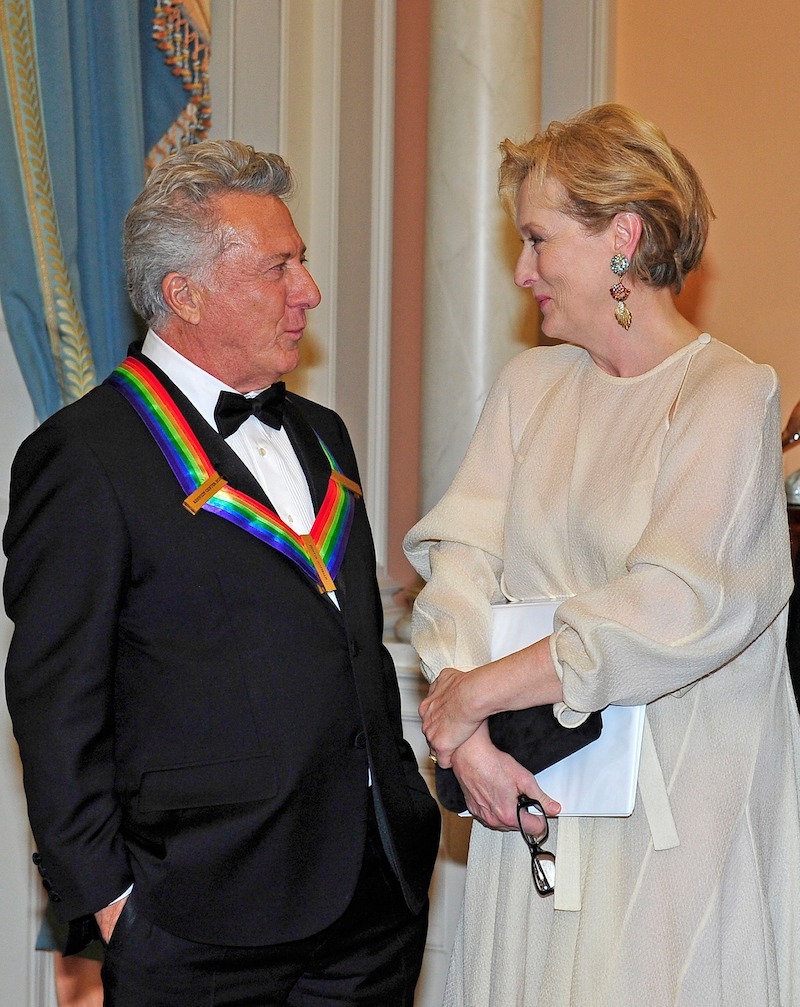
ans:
(619, 266)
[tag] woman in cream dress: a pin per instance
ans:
(634, 468)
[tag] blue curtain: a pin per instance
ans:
(77, 78)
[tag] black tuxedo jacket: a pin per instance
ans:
(193, 715)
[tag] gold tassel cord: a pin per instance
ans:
(181, 30)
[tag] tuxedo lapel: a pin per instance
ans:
(315, 465)
(307, 448)
(222, 457)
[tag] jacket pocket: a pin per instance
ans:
(208, 784)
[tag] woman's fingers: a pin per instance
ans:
(492, 781)
(446, 722)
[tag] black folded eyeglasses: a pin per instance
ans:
(543, 863)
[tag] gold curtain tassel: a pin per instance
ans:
(319, 564)
(194, 502)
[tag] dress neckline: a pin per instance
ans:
(700, 343)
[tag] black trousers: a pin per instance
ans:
(371, 955)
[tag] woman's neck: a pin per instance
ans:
(658, 330)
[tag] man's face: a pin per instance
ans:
(253, 303)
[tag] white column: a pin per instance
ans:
(484, 87)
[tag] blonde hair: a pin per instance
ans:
(608, 160)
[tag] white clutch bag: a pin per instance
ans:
(600, 779)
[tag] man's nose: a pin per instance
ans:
(306, 291)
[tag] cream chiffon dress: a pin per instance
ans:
(656, 503)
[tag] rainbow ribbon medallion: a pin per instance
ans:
(319, 554)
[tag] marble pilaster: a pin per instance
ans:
(484, 86)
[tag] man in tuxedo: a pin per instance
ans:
(208, 722)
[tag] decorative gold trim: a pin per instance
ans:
(69, 345)
(194, 502)
(345, 481)
(323, 573)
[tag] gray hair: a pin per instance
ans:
(173, 225)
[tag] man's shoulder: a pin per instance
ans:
(89, 412)
(310, 407)
(329, 427)
(316, 414)
(99, 429)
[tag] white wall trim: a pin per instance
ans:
(325, 131)
(244, 71)
(602, 51)
(309, 136)
(27, 974)
(381, 278)
(577, 55)
(222, 69)
(42, 986)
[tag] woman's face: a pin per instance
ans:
(566, 268)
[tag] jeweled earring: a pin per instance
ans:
(620, 264)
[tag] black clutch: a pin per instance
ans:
(533, 737)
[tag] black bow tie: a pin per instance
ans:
(233, 409)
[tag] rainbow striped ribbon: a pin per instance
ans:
(318, 554)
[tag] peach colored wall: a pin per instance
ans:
(722, 80)
(411, 131)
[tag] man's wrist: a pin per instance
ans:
(119, 898)
(107, 918)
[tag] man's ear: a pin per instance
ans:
(182, 297)
(626, 230)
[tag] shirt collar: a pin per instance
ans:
(200, 388)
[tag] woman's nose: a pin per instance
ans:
(525, 270)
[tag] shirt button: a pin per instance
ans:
(290, 518)
(262, 451)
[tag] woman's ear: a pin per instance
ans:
(626, 229)
(182, 297)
